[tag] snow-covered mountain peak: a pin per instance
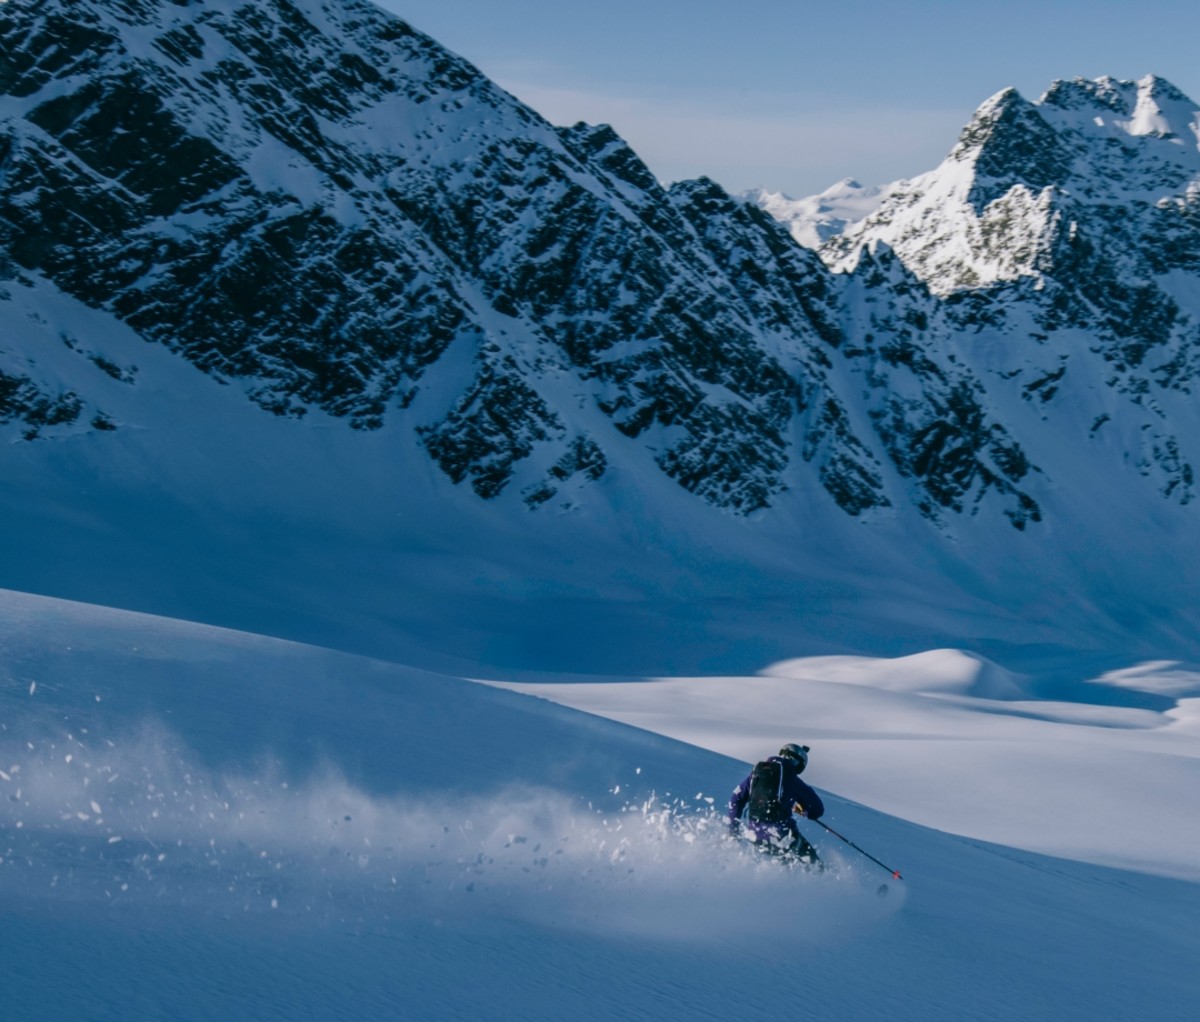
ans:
(1005, 106)
(1026, 178)
(816, 218)
(1007, 143)
(1145, 134)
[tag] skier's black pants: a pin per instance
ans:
(800, 850)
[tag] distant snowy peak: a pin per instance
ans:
(814, 220)
(1077, 215)
(1028, 180)
(1099, 141)
(1103, 139)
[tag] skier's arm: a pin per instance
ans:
(806, 800)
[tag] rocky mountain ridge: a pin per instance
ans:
(312, 201)
(1067, 227)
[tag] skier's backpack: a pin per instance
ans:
(766, 793)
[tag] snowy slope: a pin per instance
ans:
(211, 825)
(951, 741)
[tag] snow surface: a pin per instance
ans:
(205, 824)
(952, 741)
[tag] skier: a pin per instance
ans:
(760, 808)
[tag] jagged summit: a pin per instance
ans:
(1096, 140)
(1025, 178)
(1006, 144)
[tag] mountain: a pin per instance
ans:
(1071, 219)
(1034, 190)
(300, 303)
(316, 201)
(320, 203)
(814, 220)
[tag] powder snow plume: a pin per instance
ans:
(139, 825)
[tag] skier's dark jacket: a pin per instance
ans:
(793, 791)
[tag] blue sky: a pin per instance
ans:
(797, 95)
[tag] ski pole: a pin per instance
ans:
(894, 872)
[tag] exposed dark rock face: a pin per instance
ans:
(23, 401)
